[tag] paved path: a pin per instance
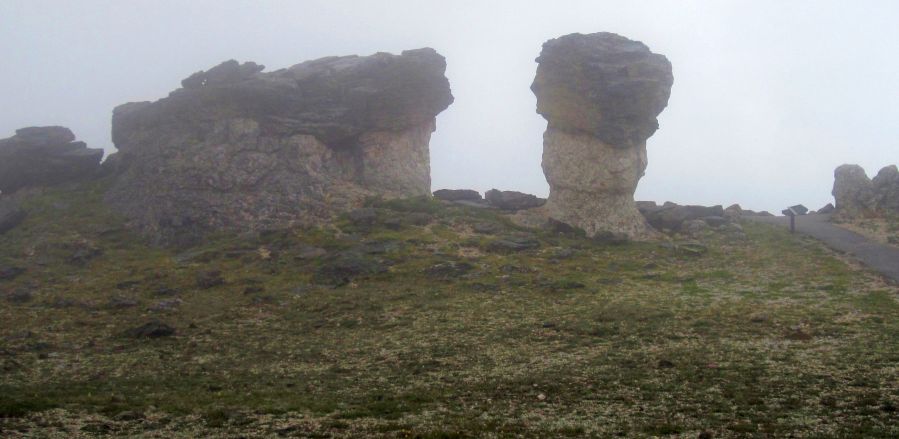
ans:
(881, 257)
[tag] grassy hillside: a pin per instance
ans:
(404, 321)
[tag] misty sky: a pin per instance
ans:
(768, 97)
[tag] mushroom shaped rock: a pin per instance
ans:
(239, 149)
(600, 94)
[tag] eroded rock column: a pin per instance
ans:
(600, 94)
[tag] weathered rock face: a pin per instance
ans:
(600, 94)
(853, 193)
(238, 149)
(44, 156)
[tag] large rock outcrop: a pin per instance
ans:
(239, 149)
(45, 156)
(600, 94)
(853, 193)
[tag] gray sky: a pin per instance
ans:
(769, 96)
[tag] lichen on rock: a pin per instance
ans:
(239, 149)
(600, 94)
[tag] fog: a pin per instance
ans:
(768, 97)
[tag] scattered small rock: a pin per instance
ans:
(610, 238)
(10, 215)
(9, 272)
(129, 415)
(210, 278)
(310, 252)
(65, 302)
(343, 267)
(448, 270)
(264, 300)
(166, 292)
(20, 295)
(512, 200)
(692, 248)
(694, 227)
(759, 318)
(253, 290)
(121, 303)
(485, 228)
(511, 244)
(128, 284)
(457, 195)
(152, 329)
(83, 251)
(364, 217)
(829, 208)
(418, 219)
(166, 305)
(665, 364)
(797, 334)
(378, 247)
(557, 227)
(715, 221)
(565, 284)
(563, 253)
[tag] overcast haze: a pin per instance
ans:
(768, 97)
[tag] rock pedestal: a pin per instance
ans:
(239, 149)
(600, 94)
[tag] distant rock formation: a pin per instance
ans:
(44, 156)
(238, 149)
(854, 194)
(600, 94)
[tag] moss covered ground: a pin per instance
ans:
(409, 323)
